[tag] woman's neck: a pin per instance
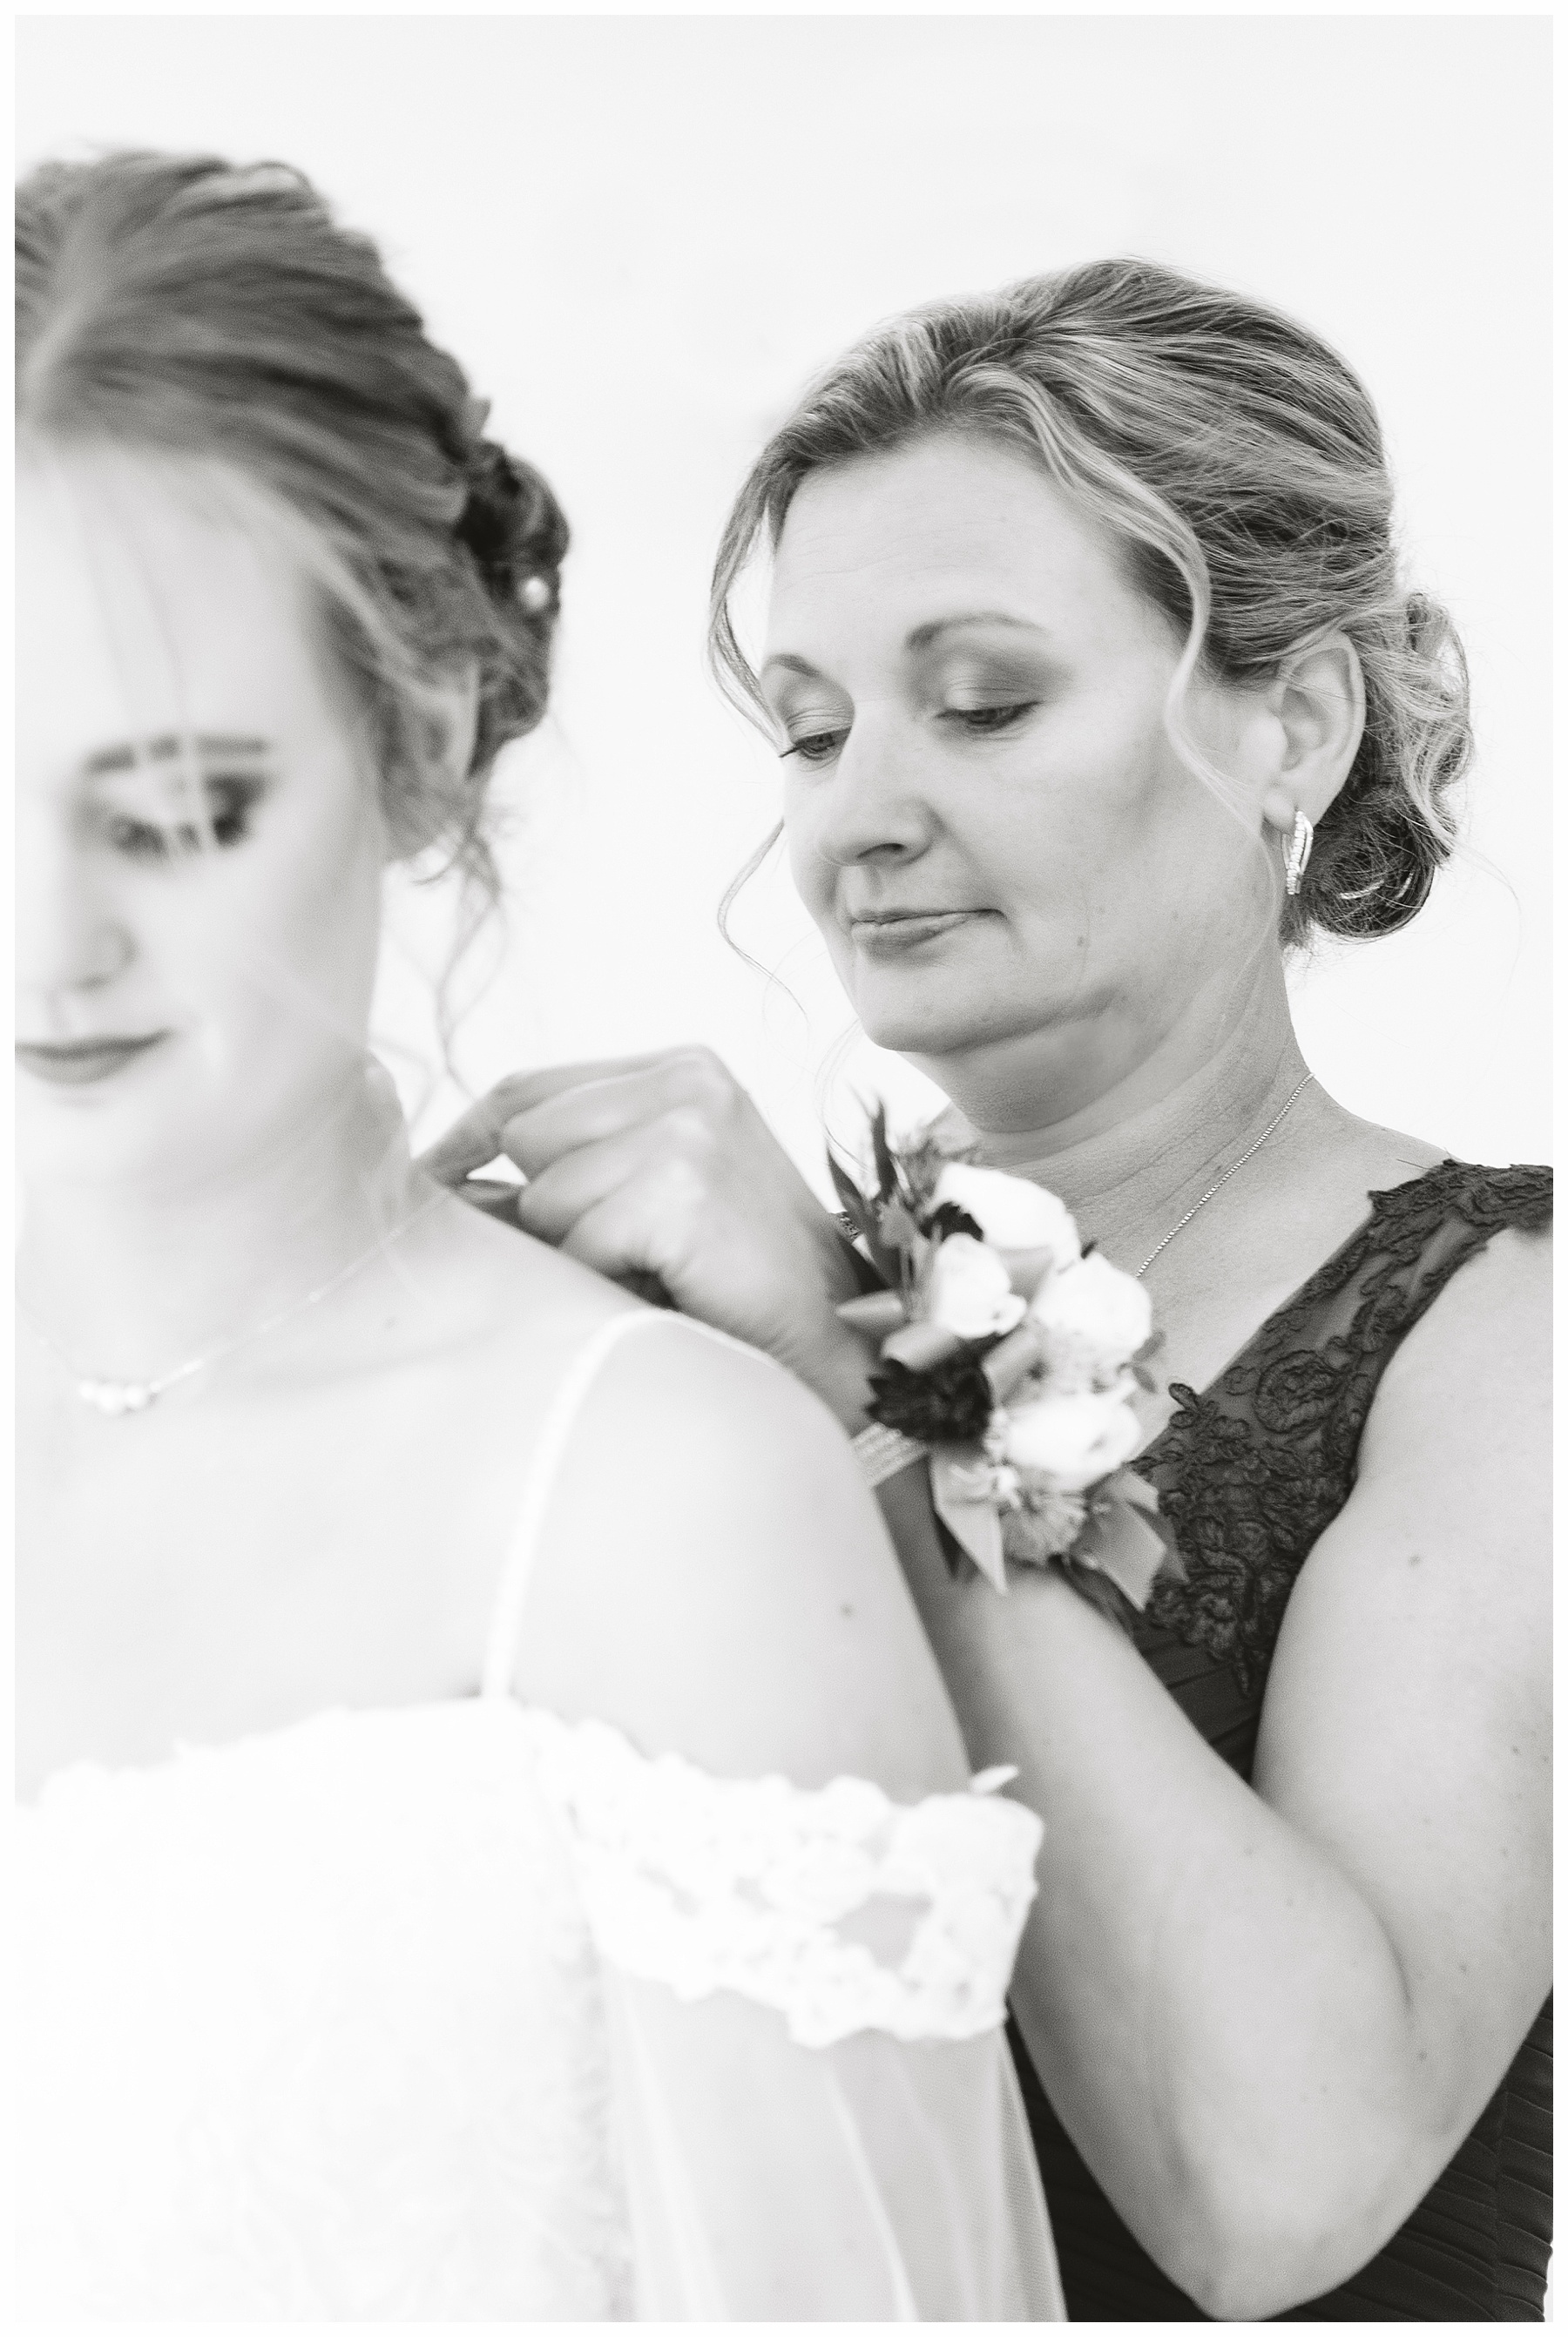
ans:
(1131, 1161)
(130, 1280)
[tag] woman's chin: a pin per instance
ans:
(932, 1025)
(119, 1140)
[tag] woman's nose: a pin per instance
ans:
(875, 805)
(68, 935)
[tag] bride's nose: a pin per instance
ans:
(68, 936)
(874, 804)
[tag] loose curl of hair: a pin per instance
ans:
(193, 309)
(1237, 463)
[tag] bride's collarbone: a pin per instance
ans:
(205, 1587)
(245, 1553)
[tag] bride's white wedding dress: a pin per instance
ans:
(424, 2013)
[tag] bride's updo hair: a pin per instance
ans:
(206, 313)
(1239, 464)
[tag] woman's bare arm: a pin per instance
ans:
(1269, 2017)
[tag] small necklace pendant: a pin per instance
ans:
(113, 1398)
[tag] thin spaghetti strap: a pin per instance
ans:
(506, 1619)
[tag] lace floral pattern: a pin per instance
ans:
(706, 1883)
(315, 2024)
(1250, 1471)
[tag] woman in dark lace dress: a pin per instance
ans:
(1085, 622)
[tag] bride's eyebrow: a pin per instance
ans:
(135, 754)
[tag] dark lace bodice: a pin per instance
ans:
(1249, 1473)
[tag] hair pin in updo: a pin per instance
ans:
(535, 594)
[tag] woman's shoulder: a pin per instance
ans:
(717, 1580)
(1412, 1170)
(648, 1374)
(1471, 1377)
(485, 1295)
(1419, 1203)
(1457, 1253)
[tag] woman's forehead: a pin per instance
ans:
(146, 611)
(898, 542)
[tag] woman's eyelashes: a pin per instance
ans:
(166, 831)
(822, 746)
(815, 745)
(985, 721)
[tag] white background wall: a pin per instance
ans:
(641, 234)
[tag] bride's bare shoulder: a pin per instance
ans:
(483, 1288)
(717, 1580)
(713, 1577)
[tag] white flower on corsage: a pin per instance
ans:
(1074, 1438)
(968, 1290)
(1013, 1360)
(1093, 1320)
(1010, 1213)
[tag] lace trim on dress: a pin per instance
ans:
(706, 1883)
(1254, 1470)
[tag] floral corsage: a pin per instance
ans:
(1014, 1358)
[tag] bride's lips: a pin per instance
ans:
(81, 1063)
(889, 933)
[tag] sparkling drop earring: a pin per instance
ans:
(1296, 850)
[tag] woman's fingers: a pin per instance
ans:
(630, 1233)
(594, 1099)
(661, 1165)
(473, 1141)
(557, 1195)
(491, 1197)
(535, 1138)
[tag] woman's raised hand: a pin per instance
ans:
(663, 1165)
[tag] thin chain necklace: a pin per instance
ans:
(116, 1398)
(1138, 1272)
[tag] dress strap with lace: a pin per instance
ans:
(1252, 1471)
(749, 1884)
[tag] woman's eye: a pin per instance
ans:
(229, 805)
(140, 841)
(983, 721)
(816, 746)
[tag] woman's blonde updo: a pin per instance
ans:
(1238, 463)
(190, 308)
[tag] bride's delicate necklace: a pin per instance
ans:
(114, 1398)
(1214, 1187)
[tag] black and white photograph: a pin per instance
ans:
(783, 1118)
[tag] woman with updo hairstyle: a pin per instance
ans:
(156, 298)
(1099, 688)
(496, 1844)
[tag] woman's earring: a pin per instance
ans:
(1297, 850)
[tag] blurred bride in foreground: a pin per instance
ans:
(497, 1845)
